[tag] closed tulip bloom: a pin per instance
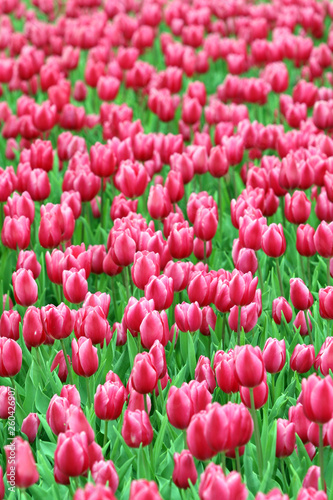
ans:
(312, 478)
(20, 205)
(200, 395)
(145, 265)
(326, 302)
(249, 317)
(75, 285)
(242, 288)
(26, 473)
(250, 231)
(323, 239)
(90, 322)
(179, 272)
(104, 472)
(59, 360)
(311, 494)
(260, 395)
(77, 422)
(274, 355)
(179, 406)
(285, 438)
(302, 358)
(41, 155)
(84, 357)
(300, 322)
(318, 398)
(135, 312)
(38, 185)
(71, 454)
(144, 375)
(16, 232)
(123, 249)
(131, 178)
(279, 306)
(214, 484)
(180, 240)
(6, 402)
(28, 260)
(218, 164)
(91, 491)
(305, 240)
(217, 418)
(188, 316)
(10, 357)
(58, 321)
(184, 470)
(205, 223)
(297, 207)
(274, 494)
(49, 233)
(159, 204)
(196, 437)
(33, 331)
(71, 393)
(224, 367)
(249, 365)
(56, 415)
(300, 295)
(273, 241)
(109, 400)
(142, 489)
(297, 416)
(103, 160)
(175, 186)
(204, 372)
(154, 327)
(136, 429)
(10, 324)
(30, 426)
(160, 289)
(157, 355)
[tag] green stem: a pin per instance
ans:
(224, 468)
(285, 483)
(102, 202)
(239, 324)
(279, 276)
(223, 330)
(145, 403)
(328, 275)
(309, 272)
(105, 440)
(185, 439)
(139, 342)
(205, 252)
(321, 457)
(219, 187)
(88, 392)
(256, 434)
(260, 274)
(70, 375)
(238, 465)
(233, 175)
(126, 284)
(160, 393)
(273, 388)
(302, 269)
(308, 326)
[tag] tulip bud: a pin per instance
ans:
(144, 375)
(109, 400)
(279, 306)
(274, 355)
(26, 473)
(184, 470)
(196, 437)
(30, 426)
(179, 406)
(25, 287)
(10, 357)
(144, 489)
(285, 438)
(302, 358)
(75, 285)
(136, 428)
(249, 365)
(84, 357)
(300, 295)
(71, 455)
(105, 473)
(317, 398)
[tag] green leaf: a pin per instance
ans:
(132, 347)
(191, 355)
(159, 441)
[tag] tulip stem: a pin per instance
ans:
(105, 440)
(88, 393)
(145, 403)
(256, 433)
(239, 324)
(70, 375)
(102, 202)
(283, 472)
(160, 393)
(308, 326)
(238, 464)
(328, 275)
(273, 387)
(260, 274)
(309, 272)
(219, 187)
(321, 457)
(279, 276)
(233, 175)
(185, 439)
(126, 284)
(205, 252)
(223, 330)
(224, 468)
(302, 269)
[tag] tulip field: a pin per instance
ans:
(166, 270)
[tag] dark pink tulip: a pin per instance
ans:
(28, 260)
(16, 232)
(59, 360)
(145, 265)
(104, 473)
(323, 239)
(279, 306)
(297, 416)
(159, 204)
(242, 288)
(58, 321)
(137, 429)
(142, 488)
(273, 241)
(297, 207)
(184, 470)
(179, 272)
(10, 357)
(25, 287)
(260, 395)
(285, 438)
(300, 322)
(204, 372)
(56, 415)
(248, 319)
(200, 395)
(317, 398)
(33, 331)
(131, 179)
(188, 316)
(154, 327)
(302, 358)
(274, 355)
(160, 289)
(144, 374)
(84, 357)
(300, 295)
(180, 240)
(30, 426)
(224, 367)
(179, 406)
(71, 455)
(10, 324)
(249, 365)
(75, 285)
